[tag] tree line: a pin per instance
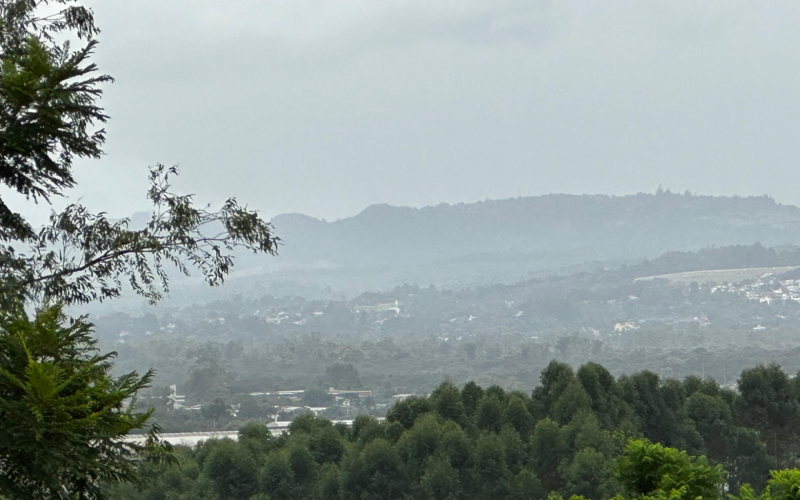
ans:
(583, 433)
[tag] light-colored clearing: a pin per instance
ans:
(719, 275)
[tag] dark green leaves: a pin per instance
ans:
(61, 412)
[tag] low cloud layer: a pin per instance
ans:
(326, 107)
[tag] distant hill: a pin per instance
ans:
(505, 241)
(508, 240)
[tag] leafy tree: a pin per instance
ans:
(440, 480)
(572, 401)
(456, 446)
(749, 462)
(65, 413)
(588, 474)
(554, 380)
(257, 437)
(61, 411)
(303, 466)
(277, 477)
(232, 470)
(527, 486)
(516, 456)
(490, 414)
(548, 449)
(646, 468)
(447, 402)
(493, 476)
(208, 380)
(365, 428)
(421, 442)
(49, 94)
(326, 445)
(659, 409)
(328, 484)
(214, 410)
(382, 474)
(317, 398)
(605, 394)
(306, 424)
(471, 394)
(437, 458)
(406, 412)
(769, 405)
(497, 392)
(519, 417)
(783, 485)
(713, 420)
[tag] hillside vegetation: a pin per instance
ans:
(509, 240)
(408, 339)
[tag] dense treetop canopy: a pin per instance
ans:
(581, 433)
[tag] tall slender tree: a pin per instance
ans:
(63, 415)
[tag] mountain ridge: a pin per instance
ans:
(591, 224)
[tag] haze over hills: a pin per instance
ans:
(489, 242)
(508, 240)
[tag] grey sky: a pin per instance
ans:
(325, 107)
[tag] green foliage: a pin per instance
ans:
(573, 401)
(471, 394)
(490, 414)
(48, 113)
(527, 486)
(214, 410)
(49, 95)
(769, 402)
(326, 445)
(61, 411)
(63, 414)
(80, 256)
(649, 469)
(277, 477)
(366, 428)
(549, 448)
(440, 480)
(447, 403)
(605, 395)
(406, 412)
(446, 454)
(493, 475)
(232, 470)
(519, 417)
(783, 485)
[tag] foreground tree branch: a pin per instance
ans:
(62, 415)
(81, 257)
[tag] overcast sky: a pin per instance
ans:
(324, 107)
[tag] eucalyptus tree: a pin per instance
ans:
(61, 410)
(50, 116)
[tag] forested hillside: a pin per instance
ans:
(572, 435)
(506, 240)
(406, 340)
(495, 242)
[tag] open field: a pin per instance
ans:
(719, 275)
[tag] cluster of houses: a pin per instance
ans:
(288, 404)
(765, 290)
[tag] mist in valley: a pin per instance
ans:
(399, 249)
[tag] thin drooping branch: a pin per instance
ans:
(80, 256)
